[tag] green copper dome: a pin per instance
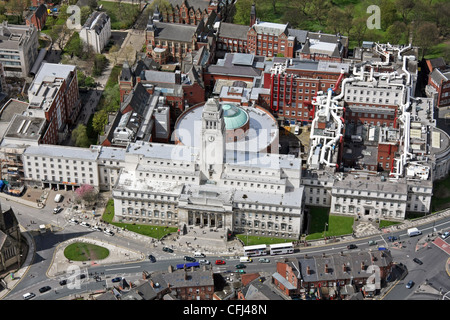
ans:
(234, 116)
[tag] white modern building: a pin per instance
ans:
(18, 49)
(96, 31)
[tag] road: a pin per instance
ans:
(433, 270)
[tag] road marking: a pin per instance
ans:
(122, 268)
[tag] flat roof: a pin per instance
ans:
(54, 151)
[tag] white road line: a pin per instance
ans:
(122, 268)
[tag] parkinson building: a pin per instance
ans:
(211, 184)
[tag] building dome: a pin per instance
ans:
(234, 117)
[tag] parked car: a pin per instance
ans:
(73, 221)
(263, 260)
(240, 271)
(352, 246)
(151, 258)
(220, 262)
(116, 279)
(95, 228)
(167, 249)
(372, 242)
(204, 261)
(240, 266)
(108, 232)
(409, 284)
(85, 224)
(445, 235)
(392, 238)
(190, 259)
(57, 210)
(44, 289)
(63, 282)
(418, 261)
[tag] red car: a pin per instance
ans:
(220, 262)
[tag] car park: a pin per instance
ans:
(352, 246)
(418, 261)
(190, 259)
(28, 296)
(151, 258)
(220, 262)
(240, 266)
(167, 249)
(116, 279)
(44, 289)
(445, 235)
(410, 284)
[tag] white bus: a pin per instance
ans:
(281, 248)
(256, 250)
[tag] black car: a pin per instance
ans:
(167, 249)
(44, 289)
(418, 261)
(352, 246)
(63, 282)
(117, 279)
(190, 259)
(151, 258)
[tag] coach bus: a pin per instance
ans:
(281, 248)
(256, 250)
(188, 265)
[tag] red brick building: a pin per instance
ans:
(189, 12)
(37, 17)
(294, 84)
(439, 85)
(326, 276)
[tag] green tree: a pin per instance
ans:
(80, 137)
(426, 36)
(75, 45)
(397, 33)
(242, 15)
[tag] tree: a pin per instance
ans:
(426, 36)
(86, 193)
(359, 28)
(397, 33)
(404, 7)
(80, 137)
(242, 15)
(99, 121)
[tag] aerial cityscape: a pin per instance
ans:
(227, 150)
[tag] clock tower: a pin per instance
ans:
(212, 151)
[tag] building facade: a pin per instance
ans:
(18, 49)
(96, 32)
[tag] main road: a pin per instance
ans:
(433, 268)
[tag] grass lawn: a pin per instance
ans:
(121, 17)
(387, 223)
(254, 240)
(337, 225)
(80, 251)
(144, 229)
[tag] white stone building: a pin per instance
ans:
(96, 31)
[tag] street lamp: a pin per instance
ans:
(325, 229)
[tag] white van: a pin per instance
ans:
(414, 232)
(297, 130)
(198, 255)
(28, 296)
(245, 260)
(58, 197)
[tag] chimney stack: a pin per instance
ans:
(363, 267)
(326, 268)
(344, 268)
(308, 270)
